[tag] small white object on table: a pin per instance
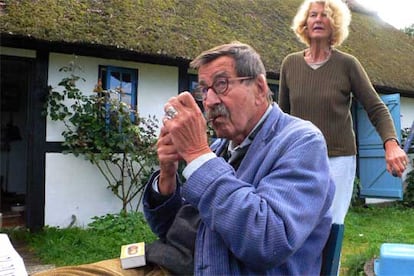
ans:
(10, 261)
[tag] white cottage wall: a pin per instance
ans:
(407, 119)
(74, 186)
(407, 112)
(75, 189)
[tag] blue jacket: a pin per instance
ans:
(268, 218)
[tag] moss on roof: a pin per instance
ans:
(184, 28)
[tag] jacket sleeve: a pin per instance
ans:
(160, 211)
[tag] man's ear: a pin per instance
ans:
(261, 90)
(262, 85)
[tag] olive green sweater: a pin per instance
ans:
(323, 96)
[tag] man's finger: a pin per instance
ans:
(187, 100)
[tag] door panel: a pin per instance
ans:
(14, 90)
(374, 179)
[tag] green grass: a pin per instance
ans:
(366, 228)
(101, 240)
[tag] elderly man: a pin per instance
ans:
(265, 209)
(255, 202)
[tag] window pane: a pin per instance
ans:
(126, 98)
(122, 80)
(126, 77)
(115, 80)
(126, 83)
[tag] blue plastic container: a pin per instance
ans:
(396, 259)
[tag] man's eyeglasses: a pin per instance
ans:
(220, 86)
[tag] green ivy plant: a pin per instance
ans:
(107, 133)
(408, 200)
(356, 200)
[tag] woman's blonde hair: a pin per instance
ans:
(338, 14)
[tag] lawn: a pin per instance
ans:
(366, 228)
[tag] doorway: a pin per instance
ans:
(14, 90)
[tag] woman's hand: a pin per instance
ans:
(397, 160)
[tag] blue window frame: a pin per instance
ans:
(122, 80)
(193, 83)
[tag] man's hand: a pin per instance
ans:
(168, 159)
(187, 127)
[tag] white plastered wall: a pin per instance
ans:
(407, 112)
(407, 119)
(75, 187)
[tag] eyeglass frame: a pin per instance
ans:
(204, 89)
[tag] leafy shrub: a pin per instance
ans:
(108, 133)
(356, 200)
(123, 226)
(408, 200)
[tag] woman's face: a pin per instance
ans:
(318, 25)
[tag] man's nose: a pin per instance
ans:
(211, 98)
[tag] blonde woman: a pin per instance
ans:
(316, 84)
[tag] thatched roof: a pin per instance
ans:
(183, 28)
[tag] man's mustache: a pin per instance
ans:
(215, 111)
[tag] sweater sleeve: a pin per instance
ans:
(377, 111)
(283, 98)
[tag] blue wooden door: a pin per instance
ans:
(374, 178)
